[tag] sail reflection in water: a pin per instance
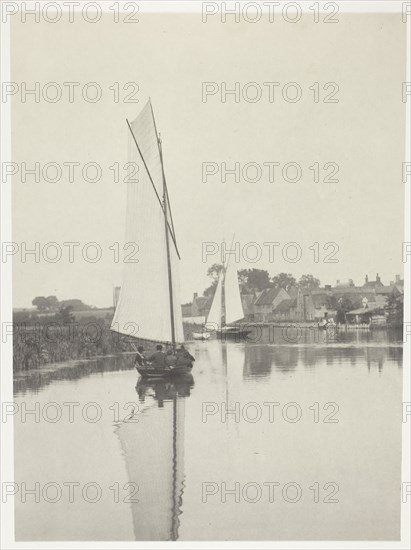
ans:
(154, 458)
(169, 449)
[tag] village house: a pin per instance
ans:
(318, 303)
(373, 284)
(197, 310)
(365, 314)
(293, 308)
(292, 305)
(399, 283)
(266, 302)
(355, 294)
(248, 306)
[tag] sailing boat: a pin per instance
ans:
(148, 306)
(227, 308)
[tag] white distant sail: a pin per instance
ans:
(143, 308)
(215, 313)
(233, 305)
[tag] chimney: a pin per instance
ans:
(195, 295)
(366, 279)
(377, 278)
(351, 282)
(397, 279)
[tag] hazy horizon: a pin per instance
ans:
(364, 54)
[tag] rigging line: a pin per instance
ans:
(152, 183)
(162, 162)
(169, 209)
(167, 198)
(228, 255)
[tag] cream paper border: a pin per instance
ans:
(6, 371)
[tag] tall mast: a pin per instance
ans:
(170, 280)
(224, 271)
(223, 296)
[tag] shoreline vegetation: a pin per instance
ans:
(39, 340)
(60, 331)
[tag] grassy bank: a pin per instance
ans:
(42, 340)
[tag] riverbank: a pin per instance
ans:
(45, 342)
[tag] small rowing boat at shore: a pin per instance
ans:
(233, 333)
(201, 335)
(326, 324)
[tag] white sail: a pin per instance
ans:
(215, 313)
(143, 308)
(233, 305)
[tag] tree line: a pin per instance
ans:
(251, 280)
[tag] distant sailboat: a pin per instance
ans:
(227, 308)
(148, 306)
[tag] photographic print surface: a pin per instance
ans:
(208, 272)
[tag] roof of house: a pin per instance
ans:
(345, 284)
(285, 305)
(293, 291)
(201, 301)
(319, 297)
(355, 294)
(362, 310)
(247, 300)
(267, 296)
(364, 291)
(388, 289)
(373, 284)
(186, 309)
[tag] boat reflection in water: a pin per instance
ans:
(164, 389)
(153, 449)
(167, 448)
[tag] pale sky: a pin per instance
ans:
(169, 56)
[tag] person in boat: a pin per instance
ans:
(171, 358)
(184, 357)
(140, 358)
(158, 358)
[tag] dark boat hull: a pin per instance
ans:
(233, 334)
(148, 371)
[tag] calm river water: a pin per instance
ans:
(297, 436)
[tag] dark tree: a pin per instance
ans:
(343, 305)
(75, 304)
(283, 280)
(394, 310)
(210, 290)
(308, 283)
(254, 279)
(40, 302)
(331, 302)
(66, 315)
(214, 271)
(52, 302)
